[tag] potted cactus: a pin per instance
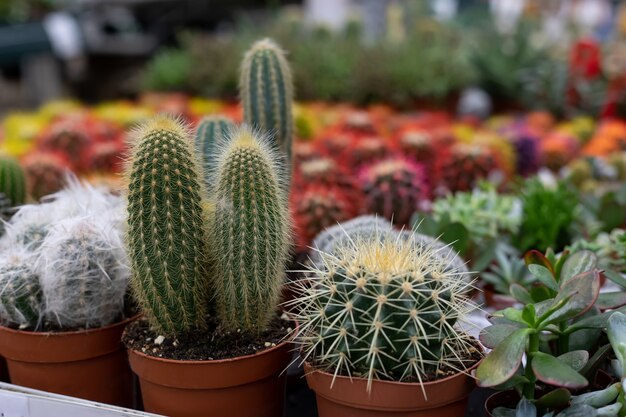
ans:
(379, 328)
(63, 279)
(208, 243)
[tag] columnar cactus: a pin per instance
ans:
(12, 180)
(393, 188)
(166, 227)
(385, 308)
(83, 273)
(267, 95)
(210, 131)
(20, 290)
(249, 233)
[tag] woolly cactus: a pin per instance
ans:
(45, 173)
(318, 208)
(20, 290)
(250, 232)
(267, 95)
(83, 273)
(210, 131)
(385, 308)
(393, 188)
(12, 180)
(166, 227)
(465, 166)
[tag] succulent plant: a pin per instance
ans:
(317, 208)
(465, 166)
(250, 231)
(267, 96)
(12, 180)
(393, 188)
(509, 268)
(45, 173)
(609, 247)
(210, 131)
(484, 213)
(382, 307)
(20, 290)
(166, 227)
(83, 273)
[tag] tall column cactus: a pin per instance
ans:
(249, 232)
(267, 95)
(210, 131)
(12, 180)
(166, 234)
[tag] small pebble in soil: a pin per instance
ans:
(159, 340)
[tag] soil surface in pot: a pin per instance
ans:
(469, 358)
(214, 343)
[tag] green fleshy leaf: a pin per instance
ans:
(577, 263)
(534, 257)
(520, 293)
(616, 277)
(554, 372)
(557, 398)
(581, 293)
(616, 330)
(611, 300)
(540, 293)
(528, 314)
(593, 364)
(576, 359)
(493, 335)
(502, 363)
(599, 398)
(579, 410)
(544, 276)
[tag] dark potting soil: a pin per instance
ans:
(213, 343)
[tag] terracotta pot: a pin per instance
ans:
(507, 399)
(89, 364)
(4, 371)
(447, 397)
(247, 386)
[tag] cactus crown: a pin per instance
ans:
(385, 308)
(267, 95)
(166, 234)
(249, 233)
(12, 180)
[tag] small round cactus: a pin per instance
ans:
(383, 307)
(465, 166)
(324, 172)
(250, 231)
(45, 173)
(20, 290)
(166, 235)
(393, 188)
(70, 139)
(106, 156)
(417, 145)
(12, 180)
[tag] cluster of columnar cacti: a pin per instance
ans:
(209, 133)
(12, 180)
(250, 232)
(166, 227)
(384, 307)
(66, 258)
(393, 188)
(465, 166)
(267, 96)
(20, 290)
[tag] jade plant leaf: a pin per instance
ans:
(502, 363)
(617, 336)
(598, 398)
(544, 276)
(612, 300)
(616, 277)
(580, 292)
(520, 293)
(577, 263)
(576, 359)
(557, 398)
(534, 257)
(555, 372)
(493, 335)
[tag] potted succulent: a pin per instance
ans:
(507, 269)
(378, 327)
(63, 281)
(208, 263)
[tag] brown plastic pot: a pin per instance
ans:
(4, 371)
(246, 386)
(447, 397)
(89, 364)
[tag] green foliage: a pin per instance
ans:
(384, 308)
(12, 180)
(609, 247)
(166, 227)
(267, 96)
(249, 235)
(508, 269)
(548, 215)
(168, 70)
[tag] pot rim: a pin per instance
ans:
(286, 340)
(30, 333)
